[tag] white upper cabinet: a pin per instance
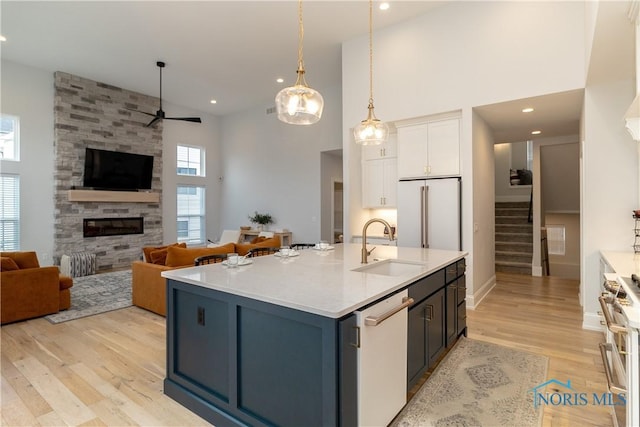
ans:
(429, 149)
(387, 149)
(380, 174)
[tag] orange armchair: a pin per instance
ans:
(28, 290)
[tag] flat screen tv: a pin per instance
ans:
(115, 170)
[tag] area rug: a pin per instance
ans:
(479, 384)
(96, 294)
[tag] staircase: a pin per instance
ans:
(514, 238)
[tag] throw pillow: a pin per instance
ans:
(183, 257)
(159, 256)
(148, 249)
(8, 264)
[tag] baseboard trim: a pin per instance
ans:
(591, 322)
(478, 295)
(536, 271)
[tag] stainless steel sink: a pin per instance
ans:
(392, 267)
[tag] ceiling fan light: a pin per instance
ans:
(299, 105)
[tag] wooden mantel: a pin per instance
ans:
(113, 196)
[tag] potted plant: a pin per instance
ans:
(261, 219)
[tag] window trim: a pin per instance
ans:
(16, 138)
(201, 164)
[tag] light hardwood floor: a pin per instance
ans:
(108, 369)
(543, 315)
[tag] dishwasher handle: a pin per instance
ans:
(376, 320)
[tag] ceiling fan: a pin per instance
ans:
(160, 115)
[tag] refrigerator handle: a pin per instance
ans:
(424, 216)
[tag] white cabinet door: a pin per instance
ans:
(379, 183)
(390, 182)
(412, 151)
(385, 150)
(372, 183)
(443, 149)
(429, 149)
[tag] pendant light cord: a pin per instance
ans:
(371, 52)
(300, 80)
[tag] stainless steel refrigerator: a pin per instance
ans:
(429, 213)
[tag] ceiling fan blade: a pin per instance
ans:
(186, 119)
(142, 112)
(154, 121)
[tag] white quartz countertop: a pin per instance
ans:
(318, 282)
(623, 263)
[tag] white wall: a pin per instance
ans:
(458, 56)
(273, 167)
(27, 92)
(482, 255)
(207, 136)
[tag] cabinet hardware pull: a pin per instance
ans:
(375, 321)
(613, 327)
(429, 312)
(614, 388)
(201, 316)
(357, 344)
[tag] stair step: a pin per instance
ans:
(514, 228)
(512, 205)
(508, 219)
(508, 256)
(512, 212)
(520, 247)
(514, 237)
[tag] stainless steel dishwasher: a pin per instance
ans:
(382, 360)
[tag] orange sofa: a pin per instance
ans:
(28, 290)
(148, 287)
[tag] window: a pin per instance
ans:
(9, 138)
(190, 161)
(191, 219)
(9, 212)
(556, 239)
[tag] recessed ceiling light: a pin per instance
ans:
(384, 5)
(536, 132)
(2, 38)
(280, 80)
(213, 101)
(527, 110)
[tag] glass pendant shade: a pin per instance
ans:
(299, 104)
(371, 131)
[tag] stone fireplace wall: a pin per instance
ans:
(97, 115)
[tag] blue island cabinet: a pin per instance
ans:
(238, 361)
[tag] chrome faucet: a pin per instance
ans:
(365, 252)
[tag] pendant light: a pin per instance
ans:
(371, 131)
(299, 104)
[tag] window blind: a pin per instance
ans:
(9, 212)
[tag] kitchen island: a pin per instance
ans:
(276, 342)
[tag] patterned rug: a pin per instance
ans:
(479, 384)
(96, 294)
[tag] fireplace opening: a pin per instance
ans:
(93, 227)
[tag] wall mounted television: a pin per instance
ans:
(115, 170)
